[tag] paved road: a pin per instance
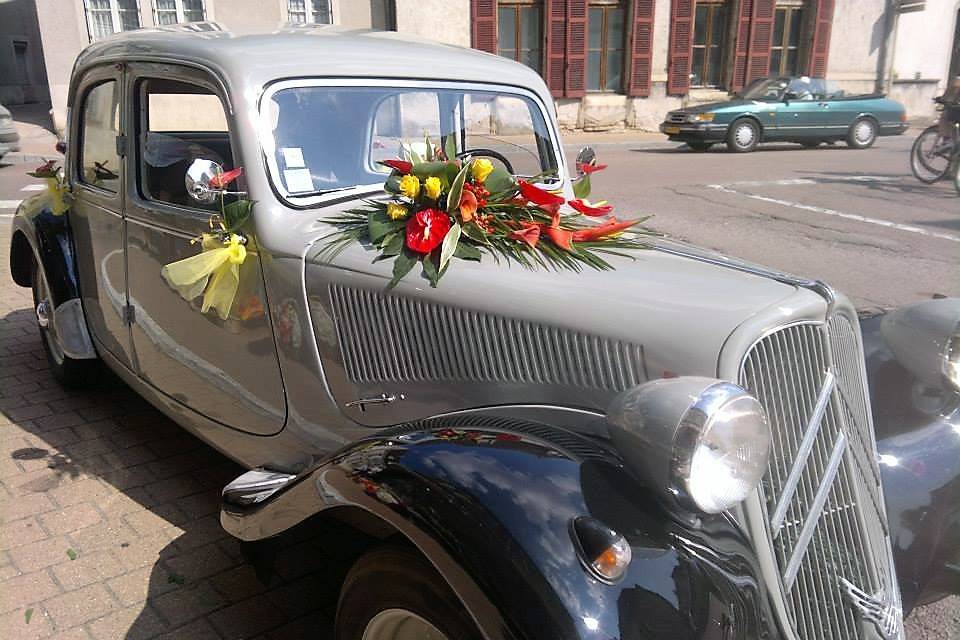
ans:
(103, 478)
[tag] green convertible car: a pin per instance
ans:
(801, 109)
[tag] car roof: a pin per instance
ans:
(246, 61)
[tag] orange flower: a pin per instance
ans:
(529, 234)
(560, 237)
(589, 209)
(609, 227)
(220, 181)
(468, 205)
(538, 196)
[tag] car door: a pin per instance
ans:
(226, 370)
(801, 115)
(97, 222)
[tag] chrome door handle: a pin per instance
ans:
(383, 398)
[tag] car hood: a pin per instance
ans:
(501, 334)
(715, 106)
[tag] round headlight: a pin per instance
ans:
(703, 443)
(721, 448)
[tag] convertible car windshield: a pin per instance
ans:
(320, 139)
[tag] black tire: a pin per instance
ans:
(811, 144)
(930, 155)
(69, 372)
(394, 578)
(862, 133)
(699, 147)
(743, 136)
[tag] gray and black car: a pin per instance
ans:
(688, 446)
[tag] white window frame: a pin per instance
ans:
(179, 6)
(114, 17)
(308, 9)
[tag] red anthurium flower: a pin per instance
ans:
(591, 168)
(560, 237)
(46, 167)
(468, 205)
(588, 208)
(602, 230)
(426, 230)
(538, 196)
(529, 234)
(221, 181)
(403, 166)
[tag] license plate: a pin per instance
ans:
(671, 130)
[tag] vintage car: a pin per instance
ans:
(681, 447)
(805, 110)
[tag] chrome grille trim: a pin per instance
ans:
(817, 516)
(675, 117)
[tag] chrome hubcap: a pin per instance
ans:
(43, 314)
(44, 321)
(744, 135)
(400, 624)
(863, 132)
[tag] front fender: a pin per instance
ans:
(489, 502)
(47, 235)
(918, 440)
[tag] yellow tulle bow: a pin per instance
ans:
(58, 196)
(215, 272)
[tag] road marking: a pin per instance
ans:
(6, 215)
(34, 187)
(9, 204)
(839, 214)
(791, 182)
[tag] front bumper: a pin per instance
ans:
(694, 132)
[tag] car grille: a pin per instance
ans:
(676, 117)
(821, 497)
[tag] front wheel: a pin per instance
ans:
(862, 133)
(931, 155)
(744, 136)
(393, 593)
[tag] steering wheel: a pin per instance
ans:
(490, 153)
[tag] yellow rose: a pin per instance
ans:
(431, 186)
(481, 169)
(410, 186)
(397, 211)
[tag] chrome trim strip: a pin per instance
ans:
(803, 452)
(816, 510)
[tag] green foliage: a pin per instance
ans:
(499, 181)
(456, 189)
(582, 187)
(236, 214)
(449, 246)
(71, 554)
(402, 265)
(27, 615)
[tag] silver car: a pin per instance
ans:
(685, 446)
(9, 138)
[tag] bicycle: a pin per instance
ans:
(935, 150)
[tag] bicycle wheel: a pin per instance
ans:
(931, 155)
(956, 173)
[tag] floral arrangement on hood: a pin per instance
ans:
(439, 209)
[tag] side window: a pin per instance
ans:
(99, 162)
(179, 122)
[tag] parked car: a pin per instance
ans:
(805, 110)
(683, 447)
(9, 138)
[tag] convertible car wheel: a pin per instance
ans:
(68, 371)
(744, 135)
(392, 593)
(862, 134)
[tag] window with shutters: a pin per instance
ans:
(520, 32)
(309, 12)
(178, 11)
(106, 17)
(785, 46)
(605, 46)
(709, 44)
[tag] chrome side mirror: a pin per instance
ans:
(586, 156)
(197, 180)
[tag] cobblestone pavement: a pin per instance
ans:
(109, 516)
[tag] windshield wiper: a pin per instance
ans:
(323, 192)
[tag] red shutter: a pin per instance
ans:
(681, 47)
(641, 49)
(741, 49)
(820, 47)
(556, 59)
(576, 76)
(483, 23)
(761, 37)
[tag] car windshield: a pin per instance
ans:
(768, 89)
(321, 139)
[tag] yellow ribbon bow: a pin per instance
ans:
(58, 196)
(215, 272)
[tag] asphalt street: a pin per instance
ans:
(856, 219)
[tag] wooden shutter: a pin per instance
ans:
(555, 69)
(741, 49)
(641, 48)
(681, 47)
(820, 46)
(483, 25)
(576, 76)
(761, 38)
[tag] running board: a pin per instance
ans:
(255, 487)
